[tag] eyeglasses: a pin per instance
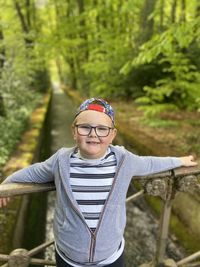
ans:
(86, 129)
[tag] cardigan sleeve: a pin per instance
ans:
(146, 165)
(42, 172)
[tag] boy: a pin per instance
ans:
(91, 181)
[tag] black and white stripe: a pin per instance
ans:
(91, 181)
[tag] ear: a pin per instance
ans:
(73, 132)
(114, 133)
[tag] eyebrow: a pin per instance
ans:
(93, 125)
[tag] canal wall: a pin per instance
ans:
(18, 227)
(186, 209)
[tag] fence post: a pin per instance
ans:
(164, 222)
(163, 232)
(19, 258)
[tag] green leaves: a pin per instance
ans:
(23, 69)
(178, 87)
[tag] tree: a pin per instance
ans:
(146, 20)
(25, 12)
(2, 60)
(183, 11)
(173, 11)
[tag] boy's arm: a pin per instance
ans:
(37, 173)
(146, 165)
(188, 161)
(42, 172)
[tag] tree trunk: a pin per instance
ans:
(146, 23)
(161, 26)
(173, 11)
(2, 60)
(183, 11)
(25, 20)
(2, 50)
(28, 13)
(197, 11)
(2, 107)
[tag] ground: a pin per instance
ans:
(172, 133)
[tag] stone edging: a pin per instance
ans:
(26, 150)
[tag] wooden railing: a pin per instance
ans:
(164, 185)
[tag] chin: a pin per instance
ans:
(93, 155)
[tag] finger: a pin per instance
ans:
(191, 157)
(6, 200)
(1, 202)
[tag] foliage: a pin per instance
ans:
(18, 103)
(23, 73)
(129, 49)
(140, 50)
(178, 88)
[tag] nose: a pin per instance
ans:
(93, 132)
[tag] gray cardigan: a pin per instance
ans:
(72, 235)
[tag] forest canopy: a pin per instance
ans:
(131, 49)
(144, 51)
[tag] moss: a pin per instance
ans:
(35, 223)
(8, 220)
(186, 238)
(24, 154)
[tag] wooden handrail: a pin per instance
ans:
(16, 189)
(162, 184)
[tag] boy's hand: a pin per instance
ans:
(4, 201)
(188, 161)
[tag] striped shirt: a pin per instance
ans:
(91, 181)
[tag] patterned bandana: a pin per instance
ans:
(97, 104)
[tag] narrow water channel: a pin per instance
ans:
(141, 230)
(61, 115)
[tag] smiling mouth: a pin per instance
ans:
(93, 142)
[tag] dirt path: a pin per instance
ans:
(62, 112)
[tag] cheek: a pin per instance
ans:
(111, 138)
(79, 139)
(107, 141)
(74, 133)
(74, 136)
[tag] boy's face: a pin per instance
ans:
(92, 146)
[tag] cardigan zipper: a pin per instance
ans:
(93, 241)
(93, 235)
(92, 247)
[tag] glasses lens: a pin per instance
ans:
(83, 129)
(102, 131)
